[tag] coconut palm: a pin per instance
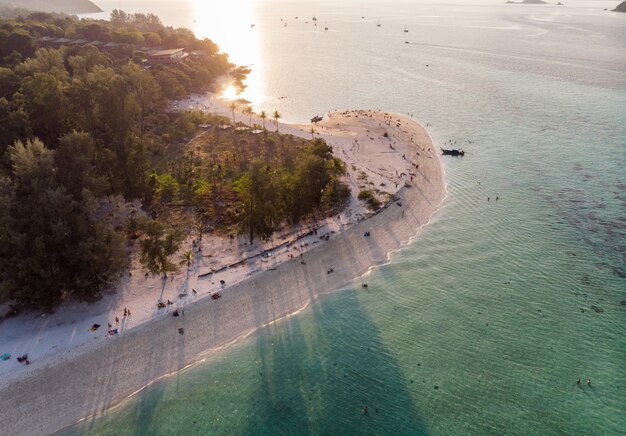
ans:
(186, 258)
(276, 115)
(248, 111)
(233, 106)
(312, 132)
(263, 116)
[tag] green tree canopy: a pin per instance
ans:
(9, 83)
(53, 245)
(259, 193)
(158, 244)
(42, 97)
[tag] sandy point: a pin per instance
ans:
(385, 152)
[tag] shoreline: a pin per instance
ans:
(48, 398)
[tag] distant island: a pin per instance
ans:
(62, 6)
(528, 2)
(621, 7)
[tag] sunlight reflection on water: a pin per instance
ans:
(231, 25)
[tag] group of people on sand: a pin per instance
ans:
(21, 359)
(111, 331)
(161, 305)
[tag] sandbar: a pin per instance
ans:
(87, 382)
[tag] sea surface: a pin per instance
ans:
(514, 291)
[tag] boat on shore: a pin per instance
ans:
(317, 118)
(452, 152)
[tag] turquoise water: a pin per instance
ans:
(485, 322)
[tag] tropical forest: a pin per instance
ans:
(98, 164)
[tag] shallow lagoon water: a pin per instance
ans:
(484, 323)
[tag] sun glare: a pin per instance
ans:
(230, 93)
(231, 25)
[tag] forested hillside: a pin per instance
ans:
(63, 6)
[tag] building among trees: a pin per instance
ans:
(167, 57)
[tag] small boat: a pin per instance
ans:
(452, 152)
(405, 29)
(317, 118)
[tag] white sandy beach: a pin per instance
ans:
(76, 373)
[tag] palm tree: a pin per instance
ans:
(248, 111)
(186, 258)
(263, 116)
(312, 132)
(276, 115)
(233, 106)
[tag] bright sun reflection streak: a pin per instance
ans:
(229, 24)
(230, 93)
